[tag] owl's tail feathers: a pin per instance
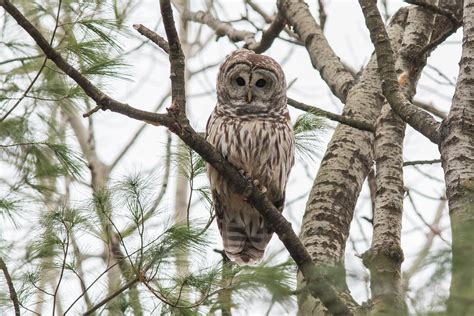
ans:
(242, 245)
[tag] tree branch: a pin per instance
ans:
(11, 288)
(437, 9)
(220, 28)
(176, 57)
(112, 296)
(343, 119)
(421, 162)
(269, 35)
(323, 58)
(317, 284)
(418, 119)
(154, 37)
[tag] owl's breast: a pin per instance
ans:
(262, 148)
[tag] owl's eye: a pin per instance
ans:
(261, 83)
(240, 81)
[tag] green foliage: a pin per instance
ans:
(308, 129)
(278, 280)
(36, 147)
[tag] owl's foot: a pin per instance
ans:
(260, 186)
(254, 181)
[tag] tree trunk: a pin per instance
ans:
(457, 154)
(345, 166)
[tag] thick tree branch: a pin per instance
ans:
(437, 9)
(343, 119)
(269, 35)
(418, 119)
(318, 285)
(323, 58)
(11, 288)
(430, 108)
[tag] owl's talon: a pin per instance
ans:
(259, 186)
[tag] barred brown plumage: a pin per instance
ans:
(250, 126)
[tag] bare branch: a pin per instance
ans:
(421, 162)
(137, 134)
(11, 288)
(322, 14)
(269, 35)
(431, 109)
(418, 119)
(323, 58)
(154, 37)
(38, 73)
(364, 126)
(437, 9)
(176, 57)
(220, 28)
(112, 296)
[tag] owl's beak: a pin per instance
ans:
(249, 96)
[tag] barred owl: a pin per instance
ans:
(250, 126)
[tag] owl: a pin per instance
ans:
(251, 127)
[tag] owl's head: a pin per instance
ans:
(251, 83)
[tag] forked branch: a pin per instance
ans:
(415, 117)
(176, 121)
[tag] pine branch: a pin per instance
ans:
(128, 285)
(418, 119)
(38, 73)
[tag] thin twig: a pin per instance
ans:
(63, 266)
(332, 116)
(137, 134)
(111, 296)
(421, 162)
(30, 86)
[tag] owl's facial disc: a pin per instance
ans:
(247, 86)
(238, 77)
(262, 85)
